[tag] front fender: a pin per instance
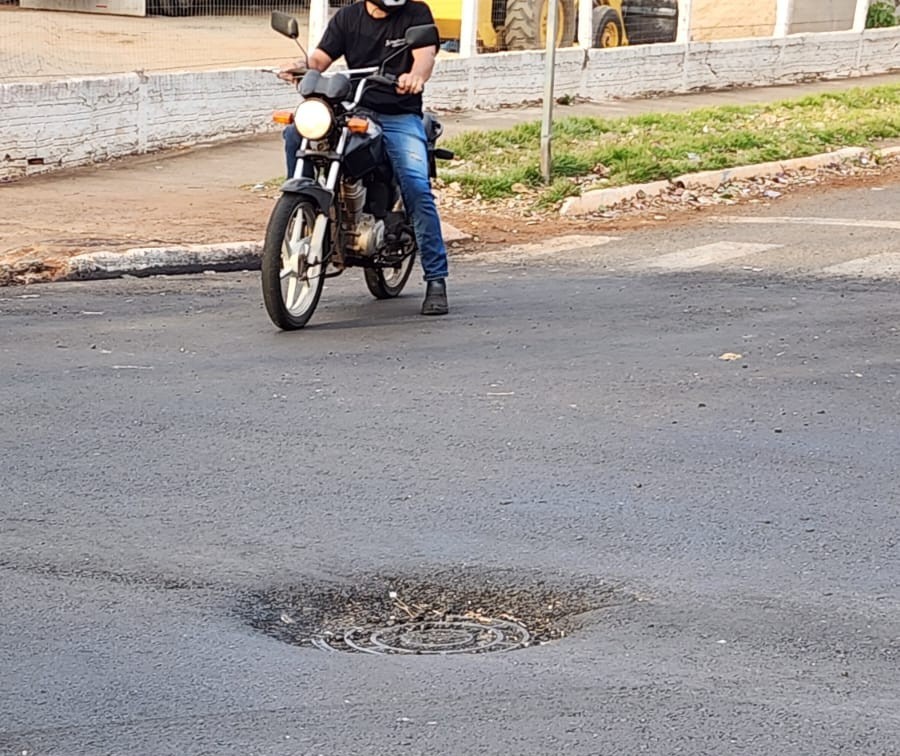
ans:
(322, 197)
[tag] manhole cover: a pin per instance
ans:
(456, 611)
(452, 635)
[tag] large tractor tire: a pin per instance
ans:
(650, 21)
(608, 28)
(525, 27)
(173, 7)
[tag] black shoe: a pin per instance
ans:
(435, 298)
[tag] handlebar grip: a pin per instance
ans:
(387, 80)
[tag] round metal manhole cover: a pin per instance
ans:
(455, 611)
(451, 635)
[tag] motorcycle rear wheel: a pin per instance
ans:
(387, 283)
(293, 262)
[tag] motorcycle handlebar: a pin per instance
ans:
(386, 80)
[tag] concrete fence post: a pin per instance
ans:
(468, 30)
(318, 20)
(784, 13)
(586, 23)
(683, 33)
(859, 18)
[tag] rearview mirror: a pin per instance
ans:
(422, 36)
(286, 24)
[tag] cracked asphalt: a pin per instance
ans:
(167, 454)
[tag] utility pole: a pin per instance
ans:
(550, 72)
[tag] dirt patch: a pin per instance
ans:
(454, 608)
(43, 44)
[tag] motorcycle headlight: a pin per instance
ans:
(313, 119)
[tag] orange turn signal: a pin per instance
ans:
(285, 117)
(358, 125)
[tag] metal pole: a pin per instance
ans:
(547, 120)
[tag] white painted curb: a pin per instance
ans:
(597, 199)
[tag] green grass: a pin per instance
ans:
(661, 146)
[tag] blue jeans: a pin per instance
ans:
(407, 149)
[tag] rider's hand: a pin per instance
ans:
(292, 71)
(410, 83)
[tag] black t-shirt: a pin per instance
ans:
(365, 41)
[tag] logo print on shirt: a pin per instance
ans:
(395, 42)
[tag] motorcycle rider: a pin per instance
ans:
(365, 33)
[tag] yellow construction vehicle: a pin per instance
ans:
(522, 24)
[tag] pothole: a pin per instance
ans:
(464, 611)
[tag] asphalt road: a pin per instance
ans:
(168, 457)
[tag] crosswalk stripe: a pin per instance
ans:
(559, 248)
(567, 243)
(698, 257)
(791, 221)
(884, 264)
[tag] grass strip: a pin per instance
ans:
(651, 147)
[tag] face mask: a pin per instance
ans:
(389, 6)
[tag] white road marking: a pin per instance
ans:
(558, 247)
(886, 264)
(698, 257)
(788, 221)
(564, 244)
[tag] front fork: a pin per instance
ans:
(323, 190)
(334, 170)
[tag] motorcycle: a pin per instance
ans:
(342, 207)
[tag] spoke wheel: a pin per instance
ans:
(293, 263)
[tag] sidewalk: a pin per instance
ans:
(200, 195)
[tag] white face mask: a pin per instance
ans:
(389, 6)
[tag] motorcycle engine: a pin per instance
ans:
(368, 235)
(364, 234)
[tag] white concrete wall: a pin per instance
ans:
(59, 124)
(116, 7)
(80, 121)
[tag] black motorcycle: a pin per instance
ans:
(342, 208)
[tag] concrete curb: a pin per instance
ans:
(155, 261)
(597, 199)
(151, 261)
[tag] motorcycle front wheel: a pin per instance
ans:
(293, 262)
(387, 283)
